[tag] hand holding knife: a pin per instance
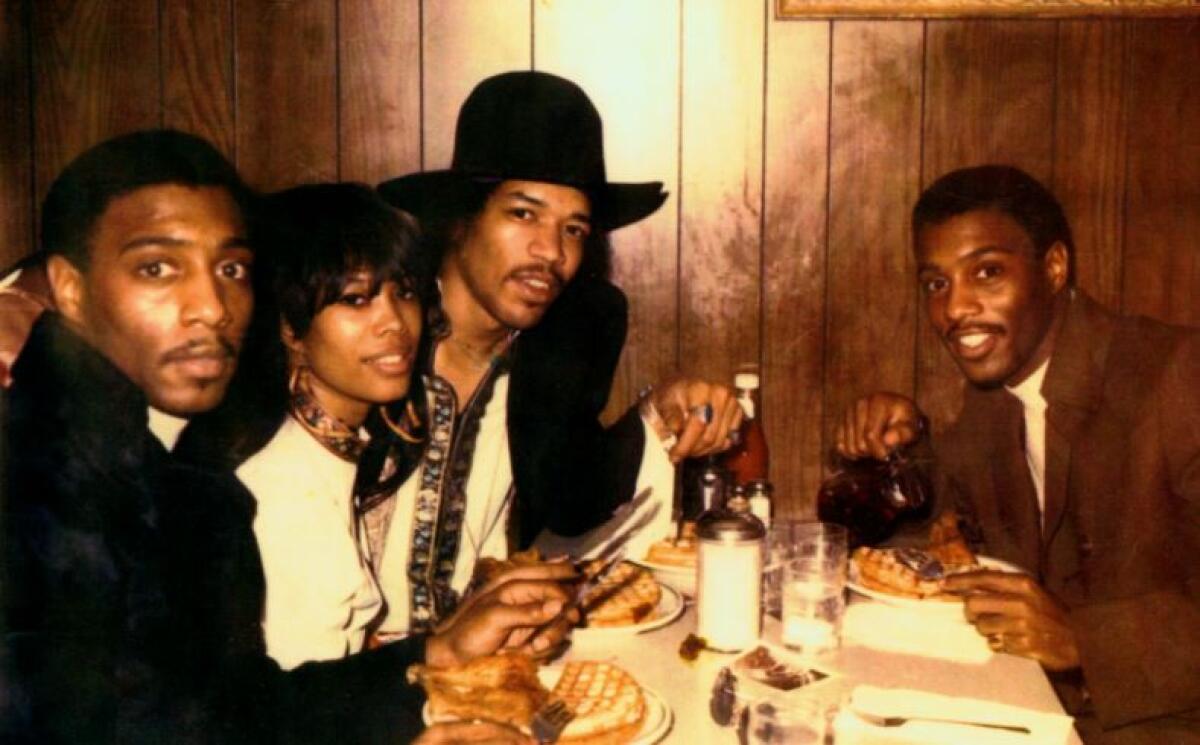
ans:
(608, 559)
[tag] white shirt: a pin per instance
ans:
(166, 427)
(484, 524)
(487, 492)
(321, 594)
(1029, 392)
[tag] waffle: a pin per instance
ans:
(878, 569)
(673, 552)
(628, 595)
(502, 688)
(607, 702)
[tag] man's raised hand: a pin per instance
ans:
(875, 425)
(699, 414)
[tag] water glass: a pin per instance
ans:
(793, 539)
(814, 589)
(797, 722)
(778, 549)
(816, 540)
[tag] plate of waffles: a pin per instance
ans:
(606, 694)
(905, 578)
(610, 706)
(677, 577)
(913, 577)
(629, 600)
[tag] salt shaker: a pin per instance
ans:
(759, 493)
(728, 600)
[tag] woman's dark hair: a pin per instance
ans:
(446, 220)
(1002, 188)
(316, 236)
(115, 167)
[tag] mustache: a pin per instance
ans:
(216, 347)
(546, 271)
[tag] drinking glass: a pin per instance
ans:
(818, 540)
(796, 722)
(814, 587)
(780, 547)
(792, 539)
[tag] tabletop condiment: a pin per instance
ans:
(723, 701)
(749, 458)
(872, 497)
(729, 580)
(691, 647)
(706, 484)
(759, 493)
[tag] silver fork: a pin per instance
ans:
(883, 721)
(550, 720)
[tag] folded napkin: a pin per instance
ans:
(872, 701)
(910, 631)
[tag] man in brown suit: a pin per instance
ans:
(1076, 456)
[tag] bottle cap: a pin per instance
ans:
(738, 503)
(760, 486)
(746, 380)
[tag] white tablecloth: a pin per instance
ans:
(653, 659)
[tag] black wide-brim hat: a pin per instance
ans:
(528, 126)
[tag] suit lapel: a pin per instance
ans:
(1073, 389)
(1063, 425)
(1013, 486)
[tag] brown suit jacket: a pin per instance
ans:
(1121, 542)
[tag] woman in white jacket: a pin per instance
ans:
(346, 284)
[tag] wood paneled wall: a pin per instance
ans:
(792, 150)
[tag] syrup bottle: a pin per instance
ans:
(872, 497)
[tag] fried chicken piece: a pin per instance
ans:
(501, 688)
(947, 544)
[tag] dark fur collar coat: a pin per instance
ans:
(132, 587)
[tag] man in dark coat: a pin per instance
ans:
(1076, 457)
(518, 226)
(132, 588)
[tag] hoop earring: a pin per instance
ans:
(294, 379)
(405, 429)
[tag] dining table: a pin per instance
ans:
(882, 646)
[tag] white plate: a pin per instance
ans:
(655, 725)
(949, 606)
(670, 607)
(679, 577)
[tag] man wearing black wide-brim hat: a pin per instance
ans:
(522, 369)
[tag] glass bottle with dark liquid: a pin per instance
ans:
(872, 497)
(748, 460)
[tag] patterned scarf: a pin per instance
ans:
(337, 437)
